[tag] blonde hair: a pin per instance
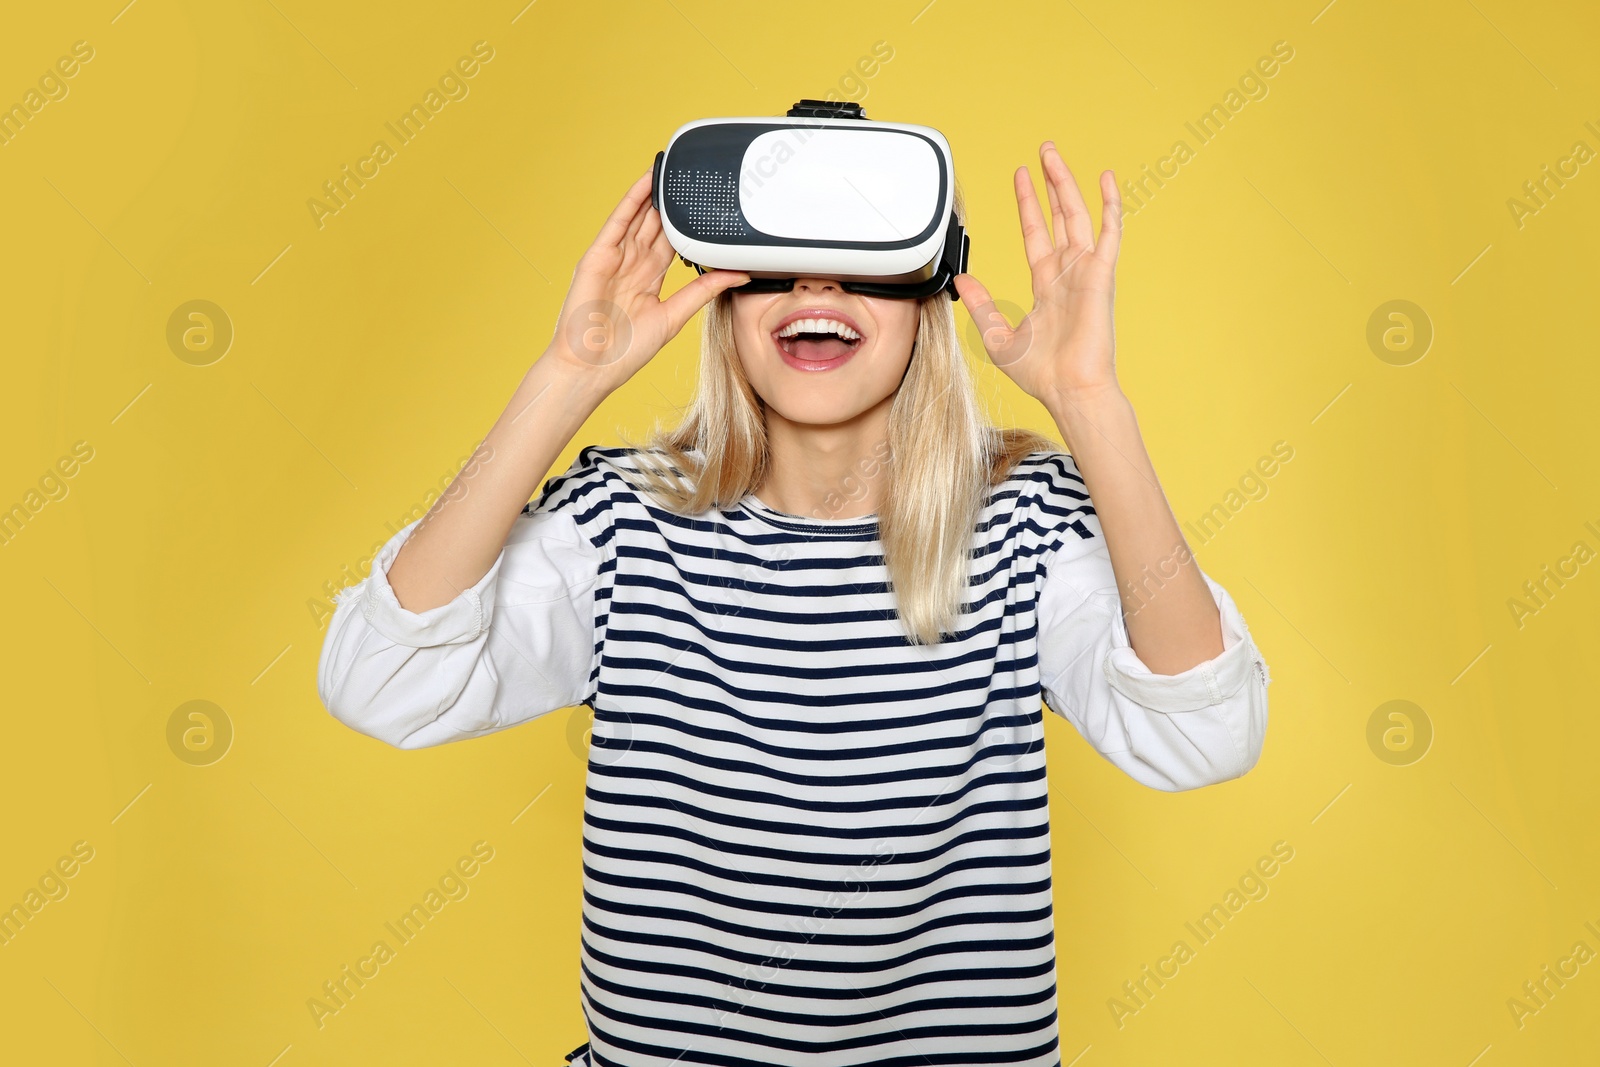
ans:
(943, 458)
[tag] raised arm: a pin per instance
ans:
(1063, 354)
(611, 323)
(1145, 654)
(481, 615)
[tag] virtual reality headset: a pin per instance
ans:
(822, 192)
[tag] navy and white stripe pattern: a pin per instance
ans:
(805, 840)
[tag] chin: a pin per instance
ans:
(823, 405)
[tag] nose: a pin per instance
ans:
(817, 284)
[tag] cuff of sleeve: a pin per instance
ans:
(460, 620)
(1203, 685)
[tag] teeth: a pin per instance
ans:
(819, 326)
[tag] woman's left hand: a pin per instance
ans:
(1066, 346)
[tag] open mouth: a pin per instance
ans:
(815, 343)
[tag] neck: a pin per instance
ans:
(832, 471)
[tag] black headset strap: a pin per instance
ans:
(952, 261)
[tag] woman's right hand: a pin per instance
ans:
(613, 320)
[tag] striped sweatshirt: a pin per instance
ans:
(806, 841)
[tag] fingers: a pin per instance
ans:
(1110, 219)
(659, 251)
(1035, 235)
(616, 226)
(1058, 228)
(651, 227)
(681, 306)
(992, 324)
(1064, 189)
(634, 225)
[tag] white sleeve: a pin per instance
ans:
(1171, 732)
(519, 644)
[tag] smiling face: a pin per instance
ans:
(818, 355)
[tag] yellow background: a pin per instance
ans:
(371, 354)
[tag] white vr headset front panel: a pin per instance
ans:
(863, 184)
(867, 186)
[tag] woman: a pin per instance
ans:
(814, 623)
